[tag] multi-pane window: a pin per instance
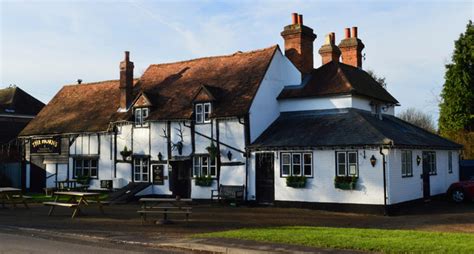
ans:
(203, 112)
(430, 160)
(204, 166)
(140, 116)
(297, 164)
(85, 168)
(450, 162)
(407, 165)
(140, 170)
(346, 164)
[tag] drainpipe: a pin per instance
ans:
(385, 212)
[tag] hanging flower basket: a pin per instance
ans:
(212, 150)
(204, 181)
(345, 182)
(296, 181)
(125, 153)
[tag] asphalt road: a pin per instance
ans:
(22, 244)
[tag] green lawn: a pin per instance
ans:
(380, 240)
(40, 197)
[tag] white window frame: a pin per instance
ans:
(292, 164)
(432, 163)
(79, 166)
(347, 164)
(450, 162)
(141, 114)
(201, 163)
(141, 167)
(407, 163)
(203, 112)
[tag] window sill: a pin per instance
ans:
(407, 176)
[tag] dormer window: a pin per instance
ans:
(141, 114)
(203, 112)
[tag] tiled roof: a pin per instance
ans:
(345, 127)
(337, 78)
(14, 100)
(233, 80)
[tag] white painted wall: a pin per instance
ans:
(201, 192)
(302, 104)
(158, 141)
(141, 139)
(265, 108)
(186, 132)
(402, 189)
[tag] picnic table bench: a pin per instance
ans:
(228, 192)
(165, 206)
(12, 196)
(85, 199)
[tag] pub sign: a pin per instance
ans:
(45, 145)
(158, 174)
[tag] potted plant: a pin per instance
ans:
(204, 181)
(345, 182)
(84, 181)
(125, 153)
(296, 181)
(212, 150)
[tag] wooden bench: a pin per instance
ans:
(229, 192)
(165, 211)
(68, 205)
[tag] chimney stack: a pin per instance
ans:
(329, 51)
(351, 48)
(299, 44)
(126, 82)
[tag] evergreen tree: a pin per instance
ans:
(456, 120)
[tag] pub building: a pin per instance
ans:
(266, 120)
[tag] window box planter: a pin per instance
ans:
(296, 181)
(204, 181)
(345, 182)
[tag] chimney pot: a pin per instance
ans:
(300, 19)
(333, 38)
(347, 33)
(127, 56)
(294, 18)
(79, 81)
(354, 31)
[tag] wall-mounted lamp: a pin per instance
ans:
(418, 160)
(373, 160)
(160, 156)
(229, 155)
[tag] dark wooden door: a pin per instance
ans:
(181, 178)
(37, 178)
(426, 176)
(265, 178)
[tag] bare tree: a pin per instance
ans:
(379, 79)
(418, 118)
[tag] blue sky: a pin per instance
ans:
(47, 44)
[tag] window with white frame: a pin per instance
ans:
(347, 164)
(450, 162)
(430, 159)
(297, 164)
(85, 167)
(204, 166)
(141, 114)
(407, 163)
(203, 112)
(141, 170)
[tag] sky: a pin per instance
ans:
(47, 44)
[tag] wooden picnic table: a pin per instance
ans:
(164, 206)
(76, 201)
(11, 195)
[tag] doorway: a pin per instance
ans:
(426, 175)
(180, 178)
(265, 178)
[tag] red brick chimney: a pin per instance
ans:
(351, 48)
(299, 44)
(329, 51)
(126, 82)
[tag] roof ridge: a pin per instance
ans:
(98, 82)
(219, 56)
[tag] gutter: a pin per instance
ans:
(385, 212)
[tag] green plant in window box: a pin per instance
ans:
(345, 182)
(204, 181)
(212, 150)
(125, 153)
(296, 181)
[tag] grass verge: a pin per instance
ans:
(380, 240)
